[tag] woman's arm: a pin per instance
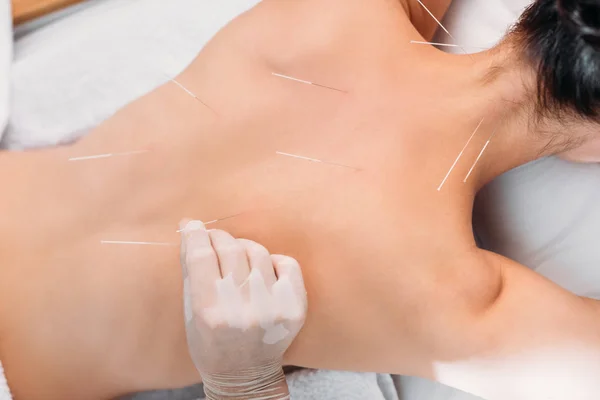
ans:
(536, 341)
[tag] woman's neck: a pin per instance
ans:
(498, 93)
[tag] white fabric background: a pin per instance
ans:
(71, 74)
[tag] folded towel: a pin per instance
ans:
(334, 385)
(307, 384)
(4, 391)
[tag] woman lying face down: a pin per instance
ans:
(395, 281)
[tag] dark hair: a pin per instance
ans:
(561, 38)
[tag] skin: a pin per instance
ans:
(395, 282)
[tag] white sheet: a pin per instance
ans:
(71, 74)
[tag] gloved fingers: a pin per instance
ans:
(288, 267)
(201, 262)
(260, 260)
(289, 290)
(182, 249)
(231, 256)
(260, 281)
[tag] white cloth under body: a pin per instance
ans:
(73, 73)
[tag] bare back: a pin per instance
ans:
(379, 245)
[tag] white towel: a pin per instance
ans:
(334, 385)
(73, 70)
(4, 391)
(307, 384)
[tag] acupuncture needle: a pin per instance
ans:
(460, 155)
(139, 243)
(165, 243)
(214, 221)
(98, 156)
(315, 160)
(480, 155)
(441, 25)
(191, 94)
(307, 82)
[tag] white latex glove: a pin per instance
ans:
(243, 309)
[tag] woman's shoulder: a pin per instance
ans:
(296, 30)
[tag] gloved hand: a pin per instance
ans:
(243, 309)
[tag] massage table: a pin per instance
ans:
(545, 215)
